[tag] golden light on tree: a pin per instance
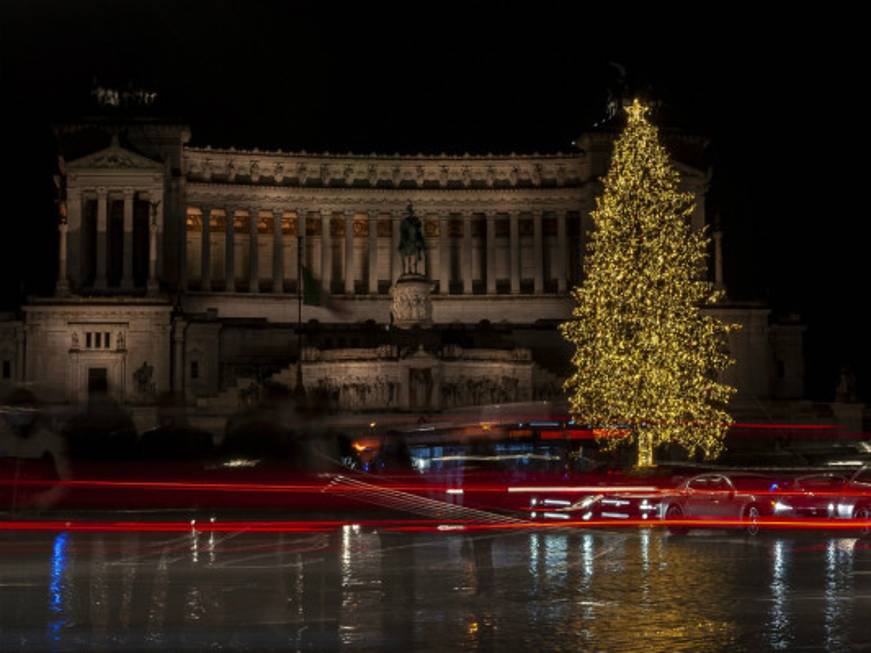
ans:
(647, 354)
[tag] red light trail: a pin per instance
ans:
(424, 488)
(412, 526)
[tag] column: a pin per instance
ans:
(444, 256)
(178, 329)
(326, 253)
(151, 285)
(396, 265)
(102, 236)
(277, 251)
(63, 284)
(206, 259)
(182, 248)
(373, 252)
(127, 276)
(491, 254)
(538, 252)
(562, 252)
(21, 343)
(253, 272)
(349, 252)
(467, 253)
(74, 239)
(156, 197)
(300, 245)
(230, 249)
(514, 250)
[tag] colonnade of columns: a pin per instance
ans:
(321, 222)
(73, 222)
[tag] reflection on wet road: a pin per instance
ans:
(362, 590)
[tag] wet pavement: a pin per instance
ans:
(355, 589)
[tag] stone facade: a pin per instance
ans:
(180, 270)
(120, 347)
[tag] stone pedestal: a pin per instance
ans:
(849, 416)
(411, 301)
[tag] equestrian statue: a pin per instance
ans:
(411, 242)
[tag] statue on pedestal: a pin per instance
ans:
(846, 390)
(411, 243)
(411, 301)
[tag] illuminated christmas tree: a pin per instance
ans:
(646, 354)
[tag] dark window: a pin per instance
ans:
(106, 340)
(98, 340)
(141, 210)
(88, 340)
(115, 246)
(195, 369)
(7, 370)
(89, 242)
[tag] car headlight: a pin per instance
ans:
(780, 507)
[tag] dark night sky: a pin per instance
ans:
(778, 96)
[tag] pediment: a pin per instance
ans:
(114, 157)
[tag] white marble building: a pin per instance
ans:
(178, 271)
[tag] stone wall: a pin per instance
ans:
(126, 339)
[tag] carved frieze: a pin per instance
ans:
(411, 302)
(398, 171)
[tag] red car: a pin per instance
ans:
(716, 497)
(855, 503)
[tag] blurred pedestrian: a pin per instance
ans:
(34, 455)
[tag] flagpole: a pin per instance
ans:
(300, 389)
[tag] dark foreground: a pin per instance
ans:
(362, 590)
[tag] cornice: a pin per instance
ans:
(218, 195)
(355, 171)
(385, 157)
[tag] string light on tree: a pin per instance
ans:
(646, 354)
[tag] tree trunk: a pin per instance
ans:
(645, 449)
